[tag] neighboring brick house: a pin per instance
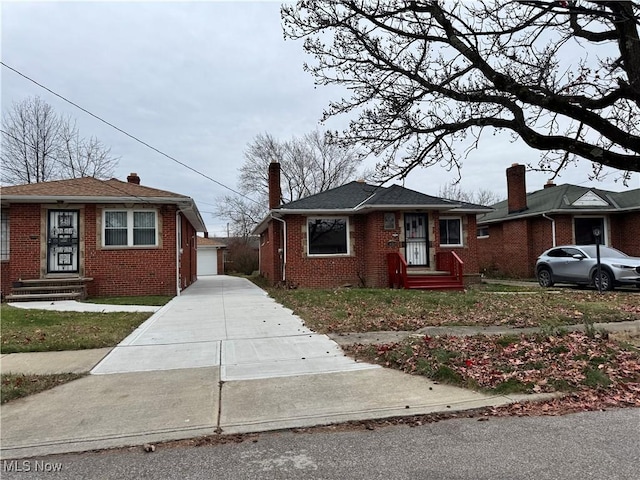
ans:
(511, 237)
(108, 237)
(349, 235)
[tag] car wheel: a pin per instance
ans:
(606, 280)
(544, 278)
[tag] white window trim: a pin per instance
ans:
(482, 236)
(130, 212)
(348, 228)
(6, 255)
(461, 244)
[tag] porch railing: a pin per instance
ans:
(397, 266)
(452, 263)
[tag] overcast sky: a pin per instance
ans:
(198, 81)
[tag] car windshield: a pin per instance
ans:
(607, 252)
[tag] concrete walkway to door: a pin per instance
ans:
(228, 322)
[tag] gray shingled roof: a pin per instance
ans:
(560, 199)
(360, 195)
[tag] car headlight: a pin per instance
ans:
(621, 266)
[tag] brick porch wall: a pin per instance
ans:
(468, 253)
(379, 243)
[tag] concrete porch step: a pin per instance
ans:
(38, 297)
(42, 289)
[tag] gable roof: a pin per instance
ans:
(356, 196)
(359, 197)
(569, 199)
(93, 190)
(86, 187)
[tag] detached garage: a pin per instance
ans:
(210, 257)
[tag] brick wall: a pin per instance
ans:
(468, 253)
(513, 246)
(24, 251)
(220, 256)
(188, 257)
(320, 271)
(270, 241)
(115, 272)
(366, 264)
(625, 233)
(131, 271)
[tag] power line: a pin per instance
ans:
(133, 137)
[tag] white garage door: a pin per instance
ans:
(207, 261)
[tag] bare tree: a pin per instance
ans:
(30, 142)
(38, 145)
(428, 76)
(309, 165)
(82, 157)
(482, 196)
(241, 213)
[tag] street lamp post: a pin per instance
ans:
(597, 233)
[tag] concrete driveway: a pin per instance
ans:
(227, 322)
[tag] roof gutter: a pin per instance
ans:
(553, 228)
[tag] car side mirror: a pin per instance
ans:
(578, 256)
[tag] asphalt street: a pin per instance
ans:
(589, 445)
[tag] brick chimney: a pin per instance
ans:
(275, 193)
(133, 178)
(516, 188)
(549, 184)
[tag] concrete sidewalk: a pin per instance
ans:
(221, 358)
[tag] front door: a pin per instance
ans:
(62, 241)
(416, 239)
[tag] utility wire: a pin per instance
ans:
(127, 134)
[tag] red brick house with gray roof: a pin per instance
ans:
(519, 229)
(367, 235)
(68, 238)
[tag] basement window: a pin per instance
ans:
(130, 228)
(328, 236)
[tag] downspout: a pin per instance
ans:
(553, 228)
(284, 248)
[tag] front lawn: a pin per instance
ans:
(16, 386)
(150, 300)
(43, 330)
(368, 310)
(593, 369)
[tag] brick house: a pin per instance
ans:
(365, 235)
(519, 229)
(81, 236)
